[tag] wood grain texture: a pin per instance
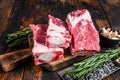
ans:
(2, 74)
(24, 12)
(13, 23)
(48, 75)
(32, 72)
(16, 74)
(96, 12)
(11, 60)
(112, 12)
(5, 11)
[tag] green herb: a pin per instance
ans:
(18, 38)
(84, 67)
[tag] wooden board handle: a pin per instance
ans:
(11, 60)
(118, 61)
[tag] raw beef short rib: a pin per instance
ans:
(57, 33)
(42, 53)
(85, 37)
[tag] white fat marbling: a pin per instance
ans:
(40, 48)
(47, 57)
(75, 19)
(55, 40)
(54, 27)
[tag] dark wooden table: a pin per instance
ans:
(17, 13)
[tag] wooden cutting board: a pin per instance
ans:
(11, 60)
(60, 64)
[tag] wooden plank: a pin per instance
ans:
(12, 25)
(5, 10)
(49, 75)
(16, 74)
(112, 11)
(32, 72)
(35, 9)
(59, 10)
(2, 74)
(12, 60)
(96, 12)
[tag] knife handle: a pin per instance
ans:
(118, 61)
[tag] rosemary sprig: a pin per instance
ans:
(84, 67)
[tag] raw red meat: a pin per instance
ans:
(85, 37)
(39, 32)
(43, 54)
(57, 33)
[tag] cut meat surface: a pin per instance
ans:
(39, 32)
(57, 33)
(42, 53)
(76, 16)
(85, 37)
